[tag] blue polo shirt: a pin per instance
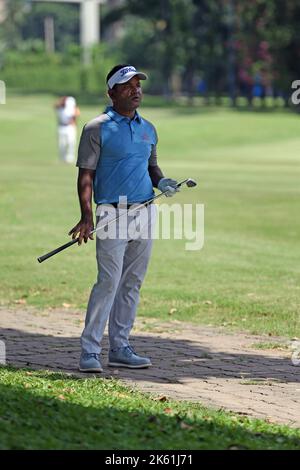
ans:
(118, 149)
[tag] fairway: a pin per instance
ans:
(247, 168)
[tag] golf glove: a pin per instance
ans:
(169, 185)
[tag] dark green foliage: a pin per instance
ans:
(32, 69)
(228, 46)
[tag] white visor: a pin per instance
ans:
(125, 74)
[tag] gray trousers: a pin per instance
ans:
(122, 265)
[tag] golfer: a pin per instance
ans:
(67, 113)
(117, 157)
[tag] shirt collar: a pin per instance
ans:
(118, 117)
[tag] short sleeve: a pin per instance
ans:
(90, 144)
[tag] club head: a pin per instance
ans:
(191, 183)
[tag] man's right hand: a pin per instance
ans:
(84, 228)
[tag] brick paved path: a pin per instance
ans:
(190, 362)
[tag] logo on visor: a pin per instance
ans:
(126, 70)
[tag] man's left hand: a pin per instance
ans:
(169, 185)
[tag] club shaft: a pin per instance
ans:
(136, 208)
(75, 240)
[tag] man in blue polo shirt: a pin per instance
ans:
(117, 158)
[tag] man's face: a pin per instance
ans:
(127, 95)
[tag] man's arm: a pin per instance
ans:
(88, 156)
(165, 185)
(154, 170)
(85, 190)
(155, 174)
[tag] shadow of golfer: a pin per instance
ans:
(174, 360)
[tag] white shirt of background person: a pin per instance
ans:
(67, 132)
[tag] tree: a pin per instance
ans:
(176, 38)
(66, 23)
(16, 11)
(269, 35)
(161, 35)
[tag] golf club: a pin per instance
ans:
(190, 183)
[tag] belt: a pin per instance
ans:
(116, 205)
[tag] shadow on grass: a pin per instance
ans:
(35, 420)
(174, 360)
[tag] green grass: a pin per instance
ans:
(43, 410)
(269, 345)
(247, 165)
(246, 277)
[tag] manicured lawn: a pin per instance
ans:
(246, 277)
(43, 410)
(247, 167)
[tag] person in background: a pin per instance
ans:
(67, 113)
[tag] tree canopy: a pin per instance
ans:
(207, 46)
